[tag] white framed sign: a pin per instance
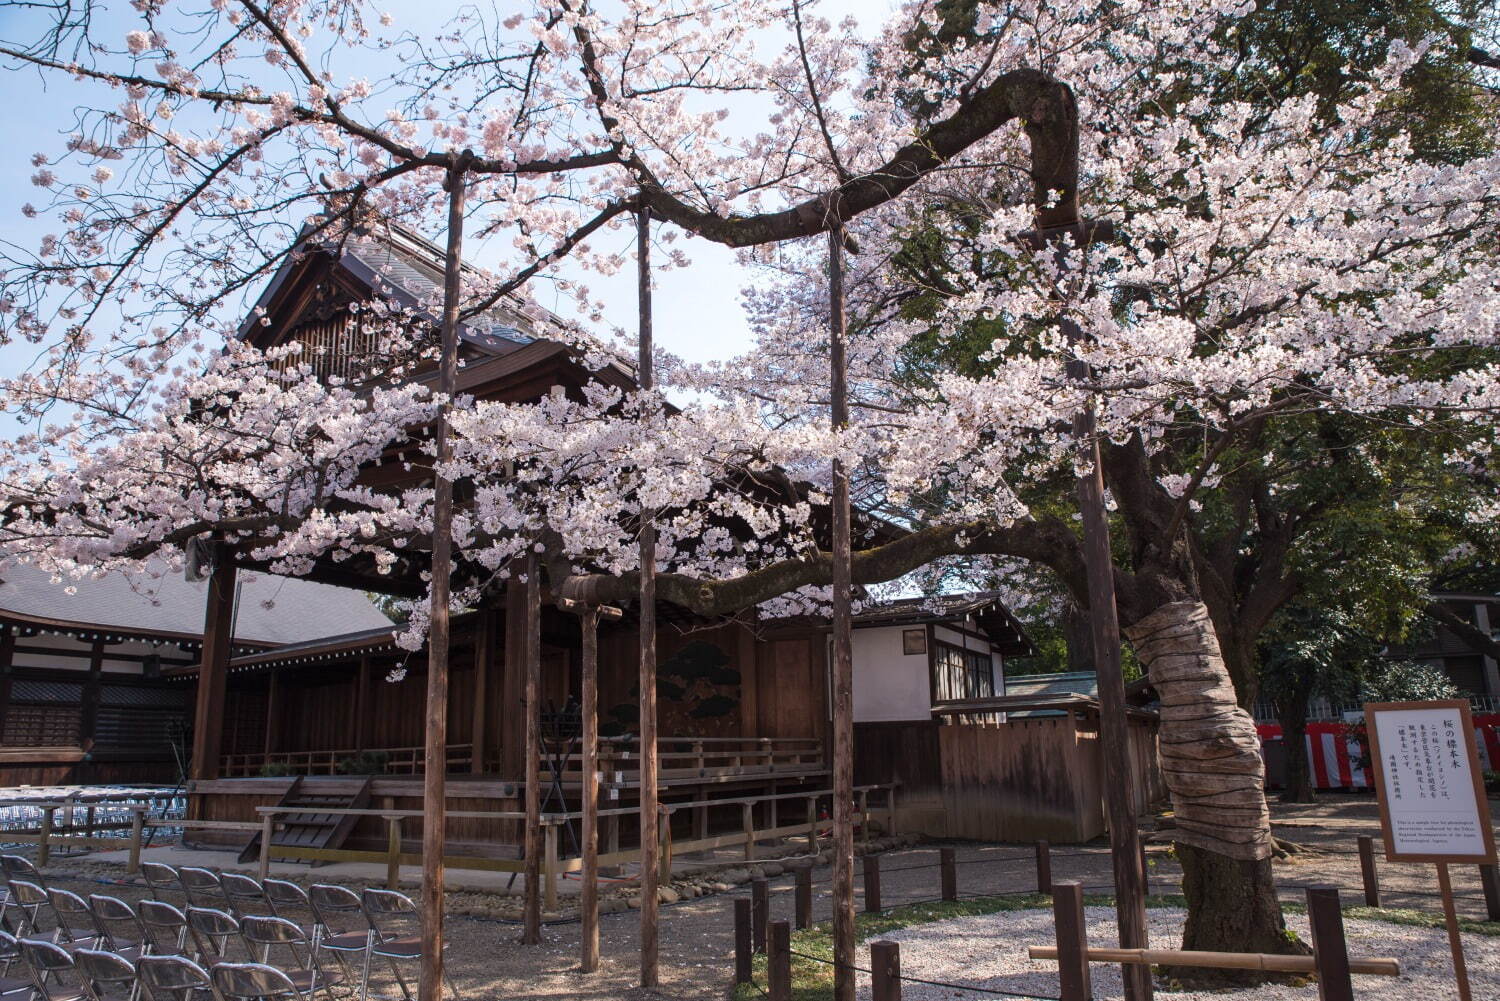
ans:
(1432, 802)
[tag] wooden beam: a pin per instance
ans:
(208, 713)
(361, 704)
(7, 673)
(273, 711)
(749, 650)
(89, 722)
(531, 932)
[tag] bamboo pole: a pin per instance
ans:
(843, 657)
(435, 755)
(1378, 966)
(650, 975)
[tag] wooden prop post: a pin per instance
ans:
(760, 913)
(1043, 867)
(1433, 806)
(531, 927)
(1072, 952)
(435, 754)
(1330, 950)
(1367, 871)
(650, 876)
(588, 893)
(744, 950)
(872, 884)
(802, 898)
(779, 961)
(948, 864)
(885, 971)
(843, 651)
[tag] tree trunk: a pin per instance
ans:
(1211, 762)
(1292, 715)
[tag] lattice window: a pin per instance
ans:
(962, 674)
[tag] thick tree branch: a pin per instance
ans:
(1472, 637)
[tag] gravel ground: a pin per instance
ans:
(990, 951)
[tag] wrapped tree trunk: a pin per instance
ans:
(1210, 756)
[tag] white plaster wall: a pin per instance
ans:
(888, 685)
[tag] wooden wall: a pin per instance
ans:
(1027, 779)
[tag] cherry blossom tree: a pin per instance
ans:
(1254, 275)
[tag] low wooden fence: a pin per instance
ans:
(399, 761)
(553, 864)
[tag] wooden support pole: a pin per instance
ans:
(872, 884)
(812, 825)
(7, 672)
(89, 722)
(393, 853)
(650, 975)
(513, 684)
(948, 865)
(743, 946)
(485, 629)
(1043, 867)
(779, 961)
(1489, 880)
(885, 971)
(760, 913)
(843, 651)
(664, 845)
(44, 842)
(588, 896)
(1368, 872)
(802, 897)
(549, 867)
(435, 751)
(361, 703)
(1330, 952)
(137, 829)
(208, 712)
(1072, 942)
(1455, 940)
(531, 930)
(273, 713)
(267, 832)
(747, 824)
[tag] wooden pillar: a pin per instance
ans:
(749, 654)
(208, 712)
(362, 704)
(273, 711)
(513, 688)
(531, 933)
(7, 672)
(485, 641)
(90, 719)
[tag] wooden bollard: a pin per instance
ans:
(1367, 870)
(743, 949)
(1043, 867)
(760, 913)
(948, 864)
(1072, 942)
(267, 826)
(872, 884)
(885, 971)
(1489, 878)
(1330, 951)
(779, 962)
(747, 821)
(392, 853)
(803, 898)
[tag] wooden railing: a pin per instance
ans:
(704, 759)
(813, 826)
(400, 761)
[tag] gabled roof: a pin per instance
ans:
(270, 611)
(984, 607)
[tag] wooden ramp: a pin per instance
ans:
(313, 828)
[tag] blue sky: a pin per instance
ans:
(698, 311)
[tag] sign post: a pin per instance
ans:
(1432, 802)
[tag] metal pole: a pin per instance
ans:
(435, 755)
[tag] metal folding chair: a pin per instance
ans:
(244, 894)
(27, 900)
(76, 927)
(288, 900)
(203, 888)
(213, 932)
(346, 929)
(106, 976)
(163, 879)
(17, 867)
(122, 928)
(10, 955)
(174, 978)
(166, 927)
(269, 934)
(397, 926)
(254, 982)
(49, 961)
